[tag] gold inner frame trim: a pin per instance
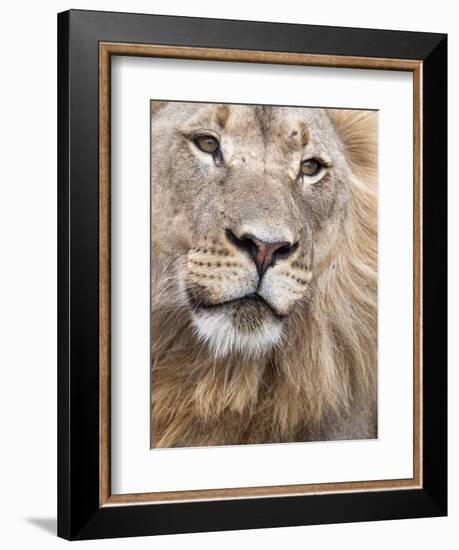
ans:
(106, 51)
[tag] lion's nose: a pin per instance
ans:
(264, 254)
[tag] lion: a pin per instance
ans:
(264, 274)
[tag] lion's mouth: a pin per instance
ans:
(250, 304)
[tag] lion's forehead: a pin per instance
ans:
(277, 129)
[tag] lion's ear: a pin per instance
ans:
(156, 106)
(358, 131)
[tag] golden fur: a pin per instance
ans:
(318, 381)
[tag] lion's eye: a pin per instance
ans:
(310, 167)
(208, 144)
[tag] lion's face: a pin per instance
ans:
(248, 206)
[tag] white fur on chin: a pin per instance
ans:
(218, 332)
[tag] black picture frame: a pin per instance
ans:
(80, 515)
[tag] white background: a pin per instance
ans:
(28, 273)
(136, 468)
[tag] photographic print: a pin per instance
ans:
(251, 275)
(263, 274)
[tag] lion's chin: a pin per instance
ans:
(230, 330)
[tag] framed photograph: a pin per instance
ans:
(252, 274)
